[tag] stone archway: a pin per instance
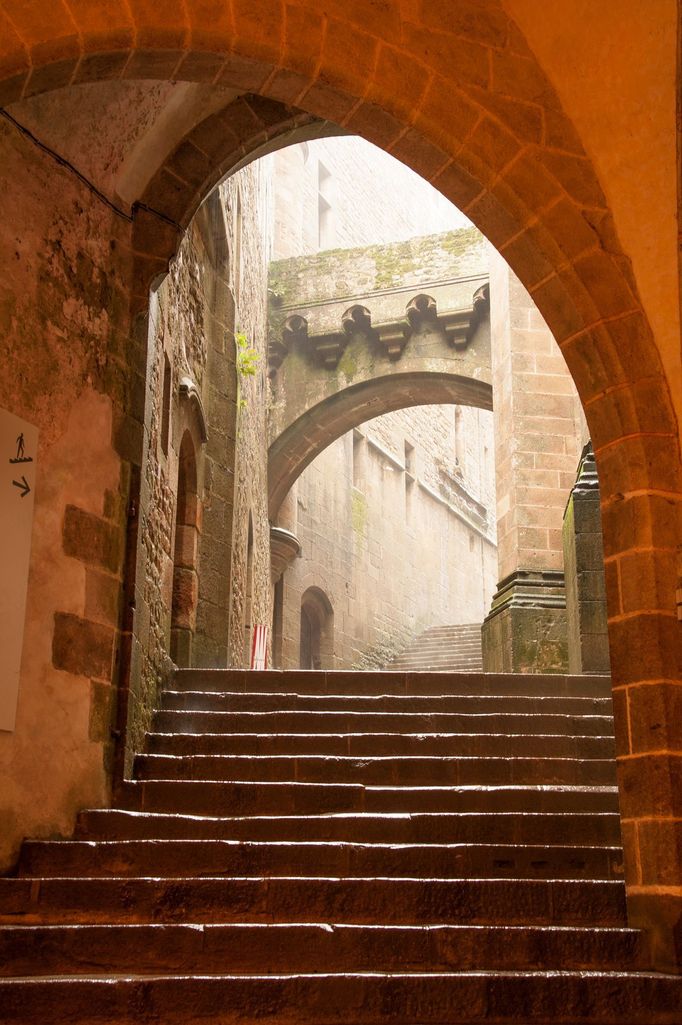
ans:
(318, 426)
(316, 648)
(473, 112)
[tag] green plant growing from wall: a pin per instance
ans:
(246, 363)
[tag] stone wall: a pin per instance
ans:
(348, 273)
(394, 518)
(588, 644)
(64, 350)
(396, 532)
(180, 324)
(214, 291)
(249, 281)
(538, 429)
(371, 198)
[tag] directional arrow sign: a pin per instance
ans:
(23, 486)
(18, 468)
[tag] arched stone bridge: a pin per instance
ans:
(335, 363)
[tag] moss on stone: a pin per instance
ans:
(326, 275)
(348, 365)
(358, 512)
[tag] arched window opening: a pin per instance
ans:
(185, 576)
(317, 631)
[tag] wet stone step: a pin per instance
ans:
(435, 722)
(233, 798)
(602, 998)
(285, 947)
(471, 704)
(499, 745)
(364, 683)
(238, 857)
(466, 655)
(515, 901)
(443, 649)
(436, 655)
(379, 770)
(448, 665)
(592, 828)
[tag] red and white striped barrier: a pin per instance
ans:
(259, 647)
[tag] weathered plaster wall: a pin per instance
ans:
(116, 132)
(63, 345)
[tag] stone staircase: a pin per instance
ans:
(353, 848)
(451, 649)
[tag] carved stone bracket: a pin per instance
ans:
(460, 325)
(284, 547)
(393, 338)
(481, 308)
(295, 329)
(421, 315)
(328, 349)
(457, 327)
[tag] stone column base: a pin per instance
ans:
(526, 629)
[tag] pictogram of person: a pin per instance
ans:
(20, 446)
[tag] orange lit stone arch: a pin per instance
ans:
(471, 110)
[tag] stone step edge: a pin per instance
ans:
(561, 881)
(381, 733)
(356, 816)
(503, 847)
(364, 713)
(190, 925)
(496, 974)
(137, 789)
(276, 695)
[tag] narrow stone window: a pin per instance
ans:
(359, 460)
(165, 405)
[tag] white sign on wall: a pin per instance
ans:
(18, 455)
